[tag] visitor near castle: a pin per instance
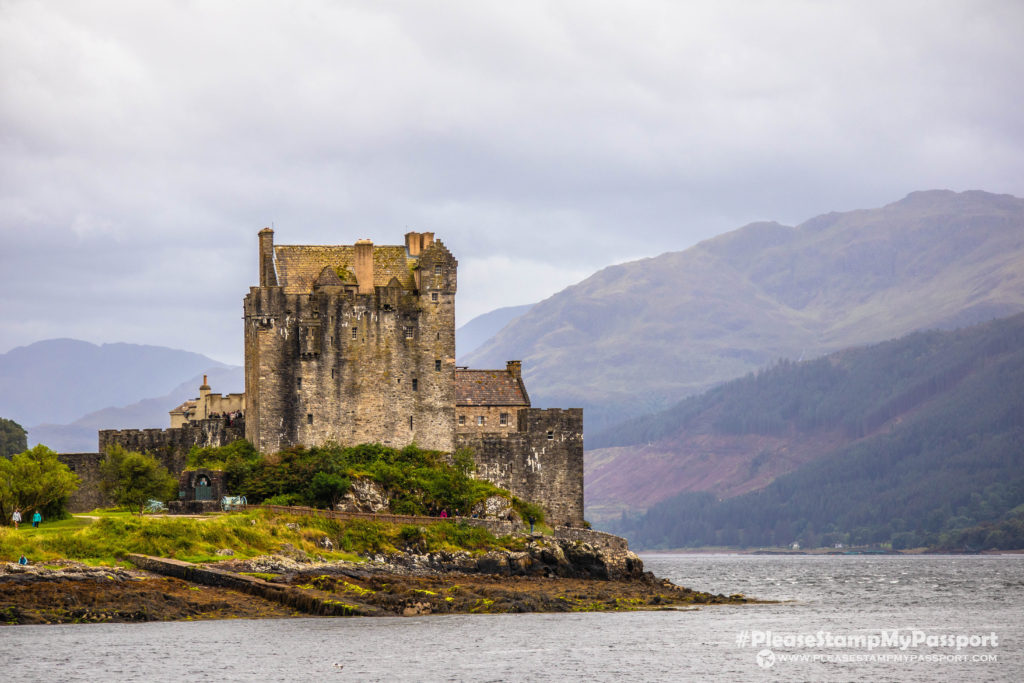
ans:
(36, 518)
(16, 517)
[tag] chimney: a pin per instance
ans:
(426, 239)
(364, 266)
(412, 243)
(268, 278)
(515, 368)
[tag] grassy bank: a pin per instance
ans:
(105, 537)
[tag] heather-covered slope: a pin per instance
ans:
(926, 427)
(634, 338)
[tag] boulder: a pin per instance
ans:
(365, 495)
(495, 507)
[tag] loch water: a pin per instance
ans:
(844, 597)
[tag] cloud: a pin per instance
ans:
(144, 144)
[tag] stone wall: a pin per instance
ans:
(87, 467)
(467, 422)
(541, 463)
(171, 446)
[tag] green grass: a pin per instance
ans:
(108, 539)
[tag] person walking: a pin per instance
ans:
(16, 517)
(36, 518)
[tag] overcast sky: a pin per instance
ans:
(144, 144)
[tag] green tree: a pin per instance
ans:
(327, 489)
(35, 480)
(13, 438)
(132, 479)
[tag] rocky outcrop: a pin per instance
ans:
(542, 556)
(366, 495)
(495, 507)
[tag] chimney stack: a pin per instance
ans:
(364, 266)
(268, 278)
(412, 243)
(515, 368)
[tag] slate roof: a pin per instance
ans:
(489, 388)
(299, 266)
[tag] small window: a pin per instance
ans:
(551, 435)
(433, 296)
(410, 422)
(332, 373)
(479, 420)
(415, 384)
(437, 269)
(503, 419)
(410, 333)
(309, 418)
(298, 382)
(332, 341)
(355, 331)
(437, 366)
(462, 419)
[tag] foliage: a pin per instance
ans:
(527, 510)
(946, 473)
(133, 478)
(35, 480)
(418, 481)
(13, 438)
(236, 459)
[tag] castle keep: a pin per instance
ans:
(356, 344)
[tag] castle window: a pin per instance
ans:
(437, 365)
(410, 333)
(410, 422)
(332, 373)
(462, 419)
(415, 384)
(298, 382)
(332, 341)
(309, 418)
(355, 331)
(437, 269)
(433, 296)
(480, 420)
(551, 435)
(503, 419)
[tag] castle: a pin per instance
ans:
(356, 344)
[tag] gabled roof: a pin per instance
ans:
(489, 388)
(299, 266)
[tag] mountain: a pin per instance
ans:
(634, 338)
(59, 380)
(81, 435)
(901, 442)
(473, 334)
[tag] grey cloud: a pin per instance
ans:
(144, 145)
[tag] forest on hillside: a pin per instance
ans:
(936, 458)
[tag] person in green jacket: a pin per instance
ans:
(36, 518)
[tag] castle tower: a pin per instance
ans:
(352, 344)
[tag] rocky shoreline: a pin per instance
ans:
(548, 575)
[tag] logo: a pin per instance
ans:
(765, 659)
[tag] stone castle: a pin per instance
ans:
(356, 344)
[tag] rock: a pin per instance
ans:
(293, 526)
(325, 543)
(365, 495)
(225, 552)
(495, 507)
(290, 551)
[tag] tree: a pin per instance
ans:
(327, 489)
(35, 480)
(13, 438)
(132, 479)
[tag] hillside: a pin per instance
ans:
(635, 338)
(472, 335)
(81, 434)
(59, 380)
(898, 442)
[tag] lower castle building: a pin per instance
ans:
(356, 344)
